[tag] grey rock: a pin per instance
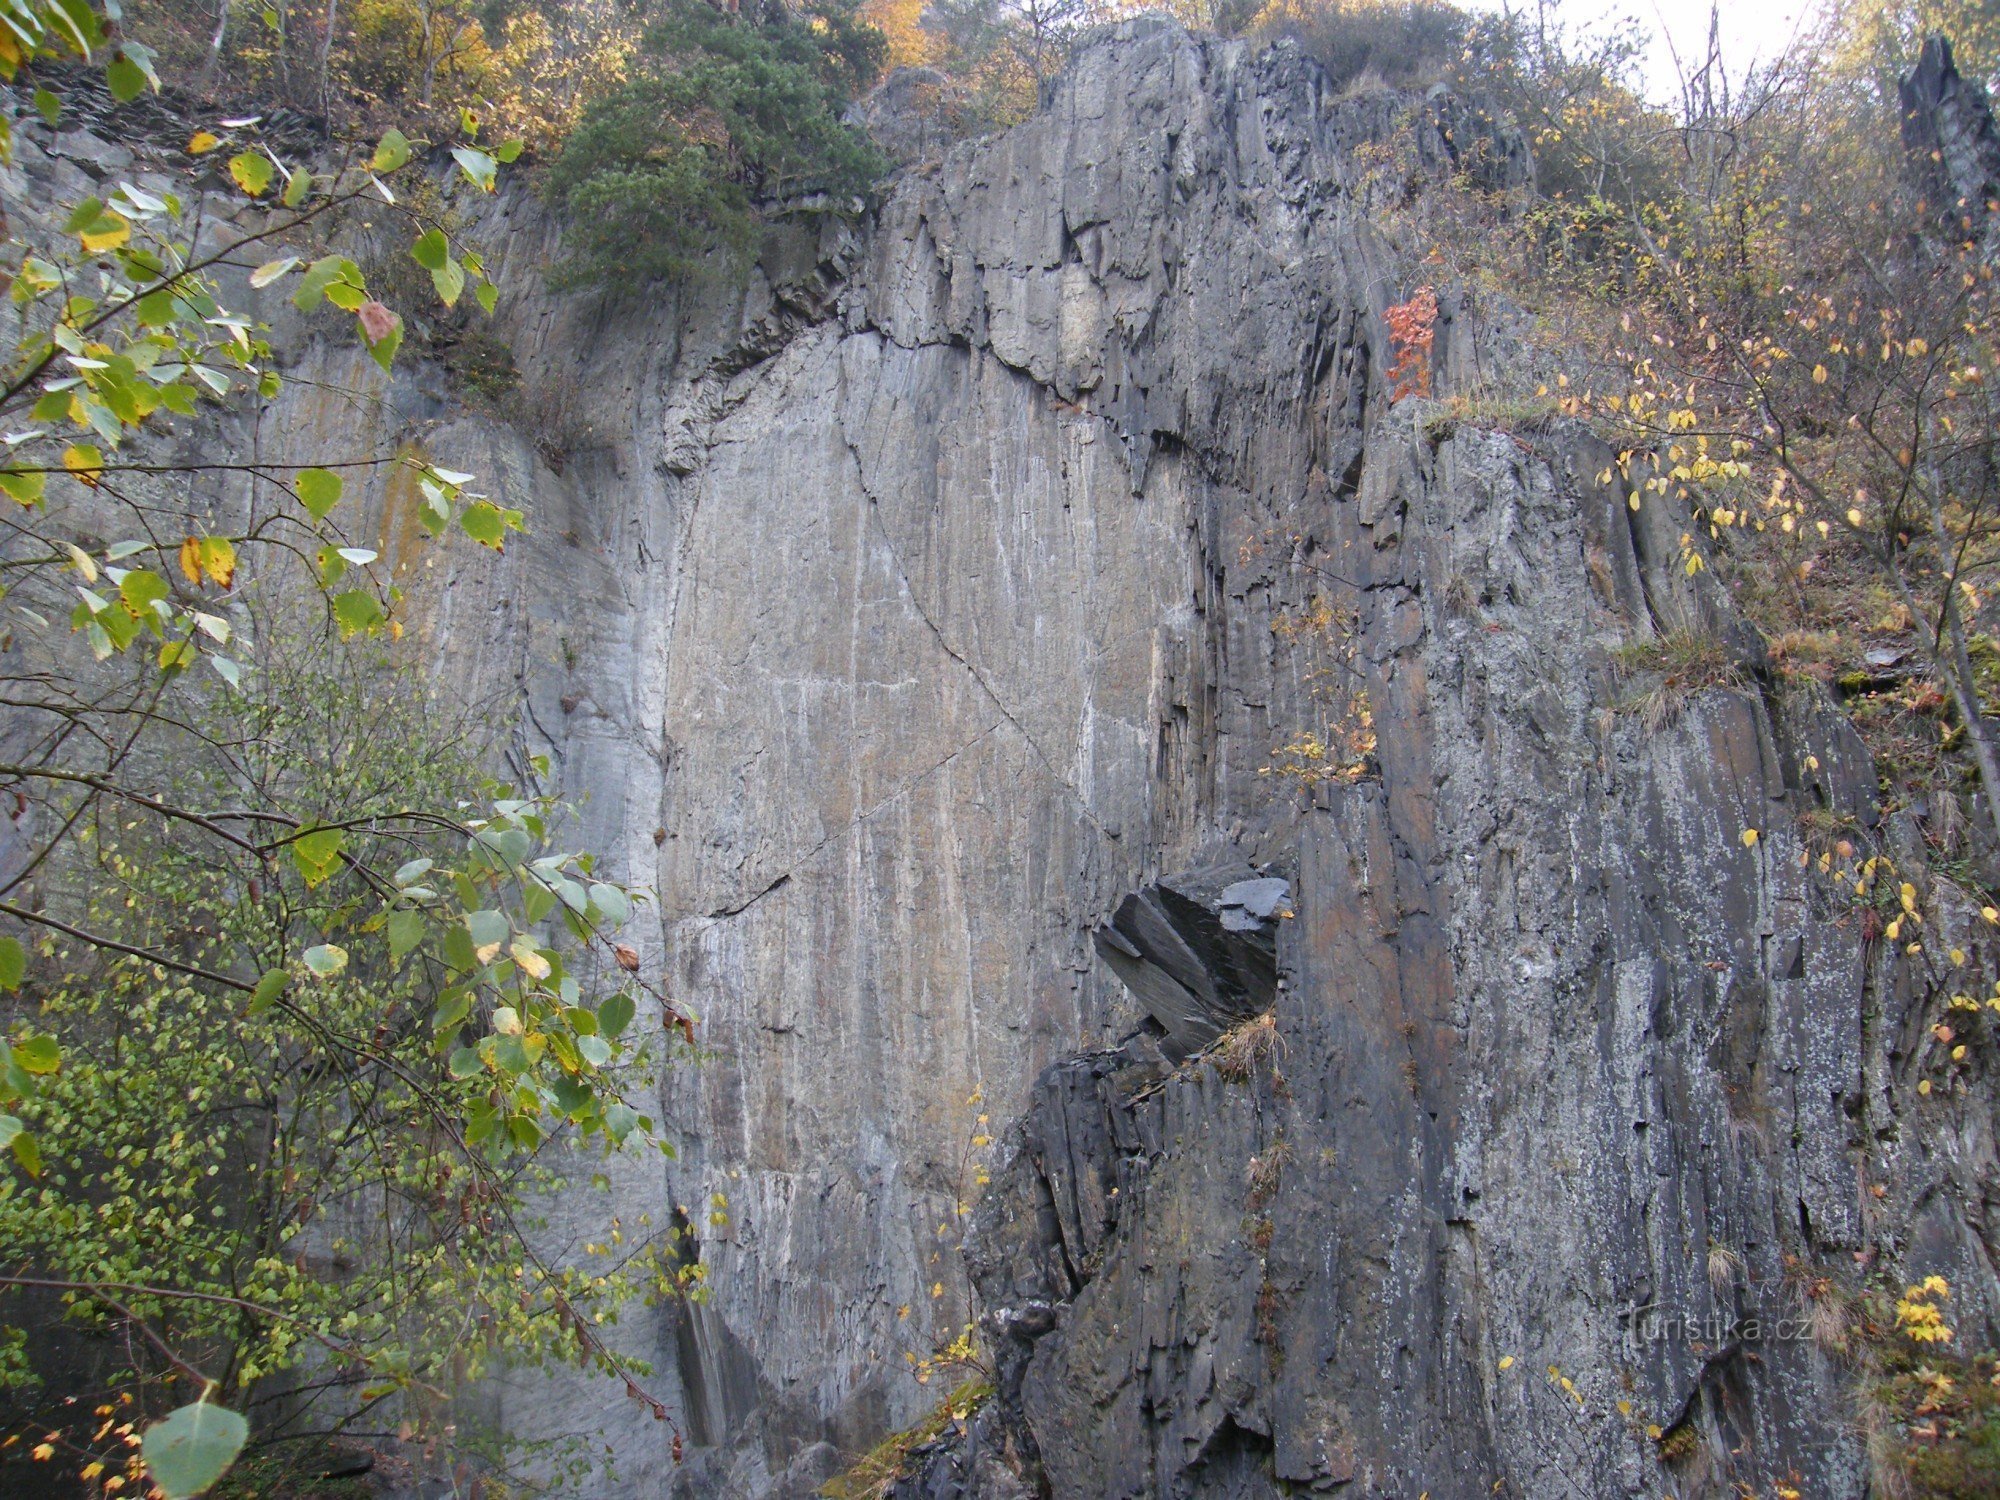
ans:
(1249, 902)
(1193, 952)
(901, 616)
(82, 146)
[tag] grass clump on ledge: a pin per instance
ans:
(878, 1469)
(1686, 663)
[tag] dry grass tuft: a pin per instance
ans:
(1247, 1047)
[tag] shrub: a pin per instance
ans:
(1407, 43)
(729, 118)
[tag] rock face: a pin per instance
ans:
(935, 624)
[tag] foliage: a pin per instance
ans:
(728, 116)
(271, 977)
(1339, 744)
(1402, 43)
(522, 66)
(1681, 666)
(279, 1189)
(1876, 42)
(875, 1474)
(1754, 295)
(1000, 52)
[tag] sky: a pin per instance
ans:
(1758, 27)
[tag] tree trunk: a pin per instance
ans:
(326, 61)
(212, 69)
(1951, 658)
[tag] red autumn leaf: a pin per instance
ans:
(377, 322)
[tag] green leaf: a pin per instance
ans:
(326, 960)
(449, 279)
(251, 170)
(355, 612)
(392, 151)
(619, 1118)
(140, 590)
(415, 870)
(318, 491)
(594, 1050)
(49, 106)
(13, 964)
(383, 348)
(22, 1144)
(271, 270)
(431, 250)
(317, 854)
(406, 930)
(615, 1014)
(269, 988)
(508, 151)
(487, 524)
(511, 1053)
(125, 78)
(481, 170)
(297, 185)
(480, 1123)
(83, 215)
(612, 904)
(451, 1012)
(465, 1063)
(192, 1448)
(26, 488)
(489, 931)
(322, 274)
(488, 295)
(38, 1055)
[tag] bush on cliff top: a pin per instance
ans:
(729, 116)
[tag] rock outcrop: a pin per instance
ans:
(912, 619)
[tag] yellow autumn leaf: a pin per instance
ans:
(107, 232)
(1507, 1362)
(201, 143)
(1819, 374)
(84, 462)
(1854, 516)
(218, 560)
(191, 559)
(1924, 1087)
(1749, 838)
(532, 963)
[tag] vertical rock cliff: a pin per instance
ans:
(928, 623)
